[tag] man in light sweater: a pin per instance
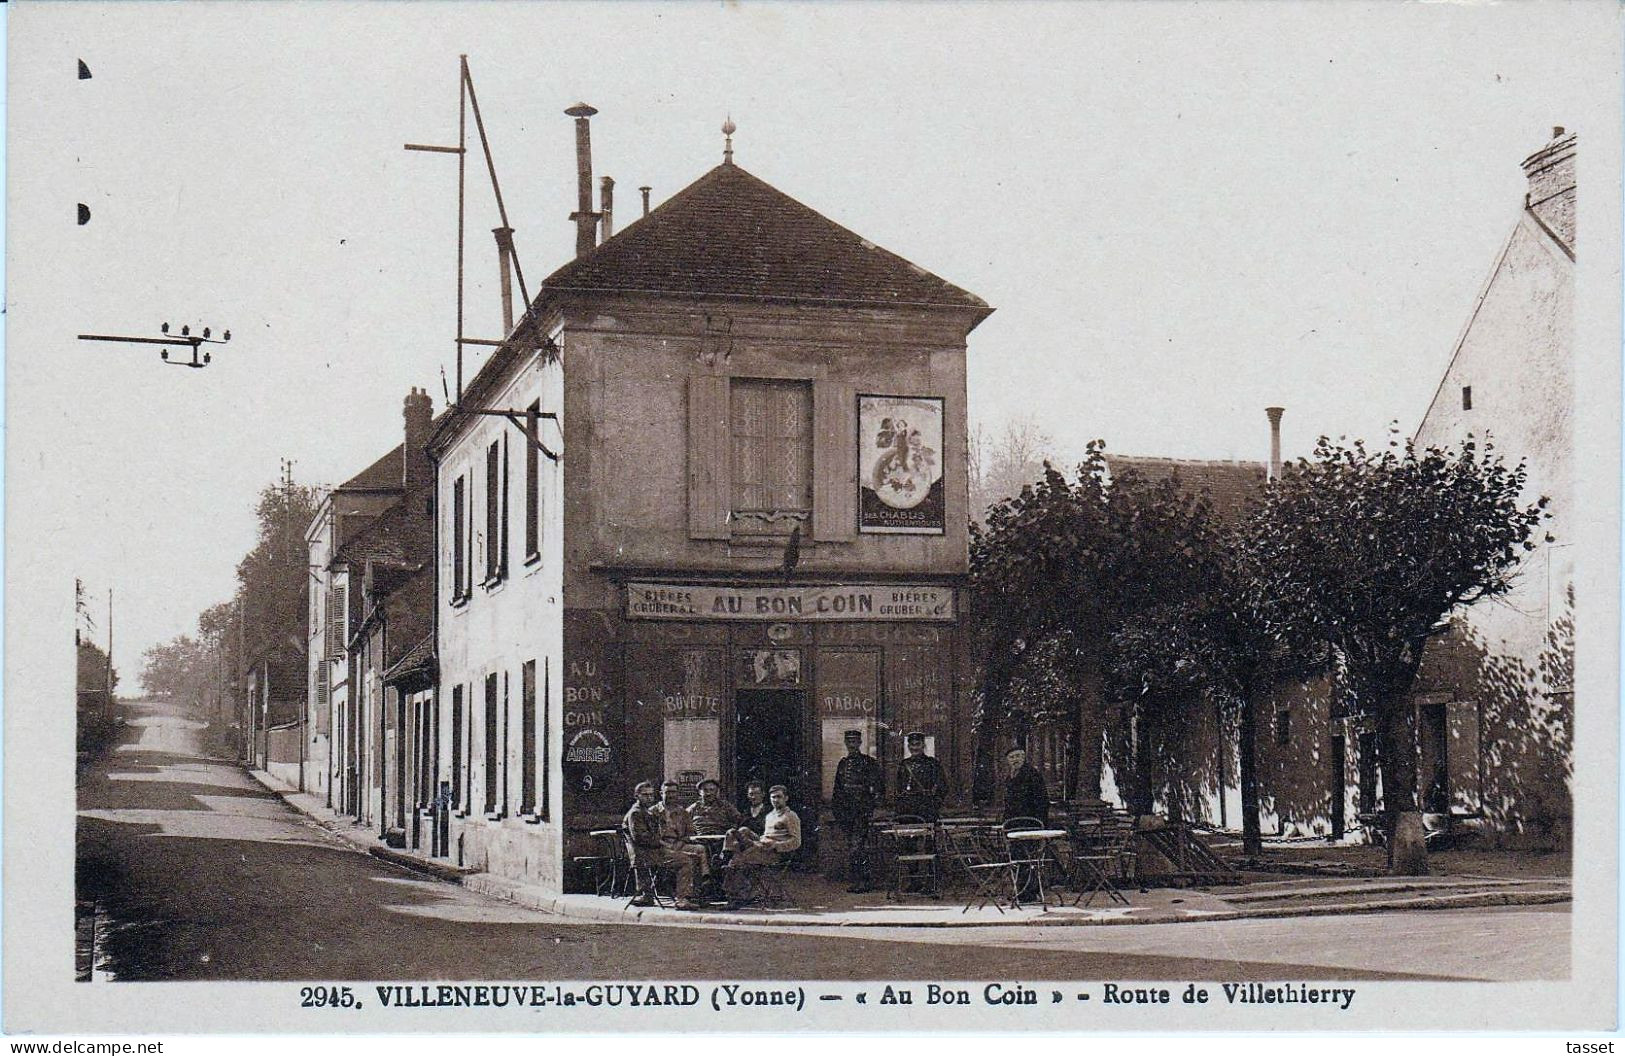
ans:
(781, 835)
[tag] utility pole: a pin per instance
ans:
(109, 673)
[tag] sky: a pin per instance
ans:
(1182, 213)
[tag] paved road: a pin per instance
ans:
(193, 871)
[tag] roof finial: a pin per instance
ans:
(728, 128)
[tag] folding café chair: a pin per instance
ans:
(914, 857)
(985, 869)
(647, 877)
(1098, 854)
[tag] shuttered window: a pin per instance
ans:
(459, 539)
(491, 734)
(459, 793)
(338, 608)
(766, 455)
(527, 737)
(493, 511)
(533, 487)
(770, 426)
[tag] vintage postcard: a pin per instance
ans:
(802, 517)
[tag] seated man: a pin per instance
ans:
(677, 828)
(756, 816)
(643, 837)
(781, 835)
(711, 814)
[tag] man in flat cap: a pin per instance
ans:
(921, 784)
(858, 787)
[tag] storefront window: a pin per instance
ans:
(848, 699)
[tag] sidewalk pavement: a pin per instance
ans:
(817, 902)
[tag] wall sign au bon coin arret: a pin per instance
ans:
(900, 456)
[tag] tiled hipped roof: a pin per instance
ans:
(1231, 486)
(730, 235)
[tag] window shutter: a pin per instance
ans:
(835, 462)
(337, 610)
(708, 443)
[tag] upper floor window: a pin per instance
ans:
(770, 425)
(496, 511)
(533, 484)
(459, 538)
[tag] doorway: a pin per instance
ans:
(1367, 743)
(767, 739)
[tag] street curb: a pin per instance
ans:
(621, 913)
(618, 912)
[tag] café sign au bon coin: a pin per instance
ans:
(654, 601)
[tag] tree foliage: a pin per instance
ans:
(1057, 571)
(1369, 552)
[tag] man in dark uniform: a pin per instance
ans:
(921, 784)
(858, 787)
(1024, 793)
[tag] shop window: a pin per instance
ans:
(848, 699)
(770, 426)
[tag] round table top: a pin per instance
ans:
(711, 836)
(1035, 834)
(910, 830)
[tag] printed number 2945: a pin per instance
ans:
(327, 997)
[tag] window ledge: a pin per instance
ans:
(459, 600)
(531, 559)
(535, 819)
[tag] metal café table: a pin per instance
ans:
(1034, 854)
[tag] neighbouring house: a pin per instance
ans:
(274, 695)
(1495, 702)
(332, 749)
(1494, 698)
(704, 510)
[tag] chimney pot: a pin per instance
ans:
(606, 206)
(1557, 131)
(644, 190)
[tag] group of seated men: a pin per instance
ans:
(661, 834)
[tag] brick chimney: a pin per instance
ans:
(416, 471)
(1552, 186)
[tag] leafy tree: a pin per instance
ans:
(1058, 569)
(1370, 552)
(94, 673)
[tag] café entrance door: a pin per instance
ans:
(767, 739)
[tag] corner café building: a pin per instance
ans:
(765, 503)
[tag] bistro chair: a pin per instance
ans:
(1101, 860)
(984, 867)
(913, 855)
(765, 884)
(646, 876)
